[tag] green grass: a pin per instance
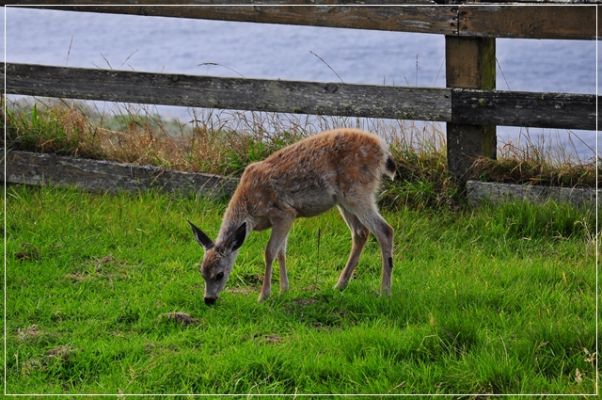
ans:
(495, 300)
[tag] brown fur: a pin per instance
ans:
(336, 164)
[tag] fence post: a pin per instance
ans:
(470, 63)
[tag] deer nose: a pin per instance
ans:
(210, 300)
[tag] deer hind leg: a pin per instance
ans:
(277, 240)
(367, 213)
(359, 235)
(282, 264)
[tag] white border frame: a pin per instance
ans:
(596, 241)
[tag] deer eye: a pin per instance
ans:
(219, 276)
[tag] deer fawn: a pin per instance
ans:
(340, 167)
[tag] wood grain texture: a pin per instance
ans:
(470, 63)
(539, 2)
(230, 93)
(480, 192)
(528, 21)
(219, 2)
(517, 20)
(546, 110)
(552, 110)
(424, 19)
(42, 169)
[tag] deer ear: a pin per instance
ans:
(238, 237)
(201, 237)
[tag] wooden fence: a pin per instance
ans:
(469, 104)
(43, 169)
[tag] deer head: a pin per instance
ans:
(219, 259)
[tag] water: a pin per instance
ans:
(288, 52)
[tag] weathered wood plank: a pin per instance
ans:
(540, 2)
(557, 21)
(470, 63)
(230, 93)
(553, 110)
(40, 169)
(546, 110)
(480, 192)
(106, 176)
(424, 19)
(197, 3)
(528, 21)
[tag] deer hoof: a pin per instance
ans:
(263, 296)
(385, 291)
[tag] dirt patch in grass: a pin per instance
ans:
(103, 264)
(244, 290)
(62, 352)
(305, 301)
(179, 317)
(31, 365)
(106, 267)
(109, 259)
(31, 332)
(28, 252)
(269, 338)
(59, 354)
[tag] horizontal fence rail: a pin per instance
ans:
(107, 176)
(466, 106)
(39, 169)
(494, 192)
(511, 21)
(230, 93)
(531, 109)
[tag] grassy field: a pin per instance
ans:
(496, 300)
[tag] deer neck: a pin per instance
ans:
(235, 215)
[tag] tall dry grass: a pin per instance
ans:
(224, 142)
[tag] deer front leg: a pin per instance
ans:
(282, 264)
(359, 234)
(384, 234)
(277, 240)
(367, 213)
